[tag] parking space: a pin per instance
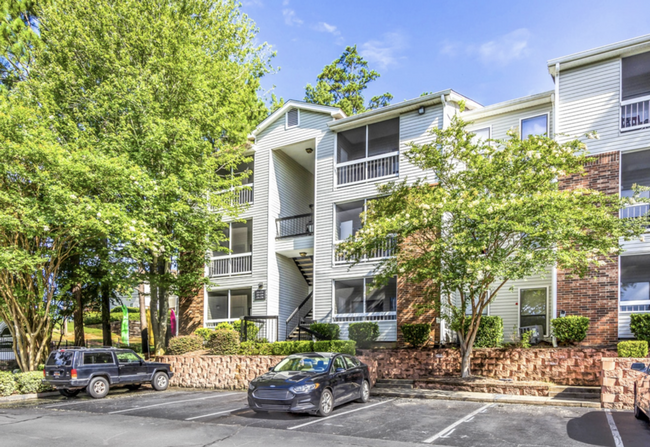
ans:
(433, 422)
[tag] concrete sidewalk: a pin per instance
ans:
(406, 393)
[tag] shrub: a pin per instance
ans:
(570, 329)
(251, 329)
(416, 334)
(636, 348)
(525, 339)
(204, 333)
(640, 326)
(91, 318)
(363, 333)
(303, 346)
(282, 348)
(30, 382)
(184, 344)
(329, 331)
(342, 346)
(490, 332)
(224, 342)
(7, 383)
(226, 325)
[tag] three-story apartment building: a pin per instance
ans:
(315, 170)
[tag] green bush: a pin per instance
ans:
(204, 333)
(226, 325)
(184, 344)
(635, 349)
(91, 318)
(7, 384)
(30, 382)
(224, 342)
(416, 334)
(570, 329)
(363, 333)
(342, 346)
(303, 346)
(329, 331)
(490, 332)
(251, 329)
(640, 326)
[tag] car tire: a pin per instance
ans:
(68, 393)
(326, 404)
(134, 387)
(160, 381)
(98, 387)
(364, 393)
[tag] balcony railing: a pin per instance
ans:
(368, 316)
(635, 113)
(231, 265)
(245, 194)
(635, 211)
(300, 225)
(386, 165)
(384, 251)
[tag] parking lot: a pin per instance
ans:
(434, 422)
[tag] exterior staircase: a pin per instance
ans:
(298, 322)
(306, 266)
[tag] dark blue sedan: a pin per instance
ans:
(311, 382)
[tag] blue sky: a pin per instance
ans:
(490, 51)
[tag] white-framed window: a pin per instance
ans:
(238, 259)
(368, 152)
(486, 310)
(348, 218)
(359, 299)
(292, 118)
(635, 92)
(482, 134)
(246, 188)
(227, 305)
(533, 307)
(635, 170)
(534, 125)
(634, 292)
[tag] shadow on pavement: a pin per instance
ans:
(591, 428)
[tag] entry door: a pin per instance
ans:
(132, 368)
(533, 308)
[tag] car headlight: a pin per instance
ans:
(302, 389)
(251, 386)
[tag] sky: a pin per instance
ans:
(489, 51)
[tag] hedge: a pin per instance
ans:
(640, 326)
(184, 344)
(363, 333)
(251, 329)
(96, 317)
(329, 331)
(634, 349)
(7, 384)
(204, 333)
(490, 332)
(285, 348)
(224, 342)
(570, 329)
(22, 383)
(416, 334)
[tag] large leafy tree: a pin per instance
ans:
(19, 37)
(171, 87)
(492, 212)
(341, 84)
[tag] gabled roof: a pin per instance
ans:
(334, 112)
(511, 105)
(618, 49)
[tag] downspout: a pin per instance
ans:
(444, 111)
(556, 113)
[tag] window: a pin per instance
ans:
(348, 219)
(362, 297)
(635, 278)
(98, 358)
(635, 76)
(61, 358)
(128, 357)
(228, 304)
(480, 135)
(352, 362)
(533, 307)
(245, 194)
(240, 239)
(293, 118)
(635, 169)
(339, 363)
(468, 309)
(537, 125)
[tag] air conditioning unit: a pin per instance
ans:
(537, 330)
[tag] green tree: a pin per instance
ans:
(341, 84)
(18, 38)
(171, 87)
(495, 213)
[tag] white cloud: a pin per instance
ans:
(327, 28)
(503, 49)
(290, 17)
(285, 2)
(249, 3)
(384, 52)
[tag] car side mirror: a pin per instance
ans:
(271, 368)
(638, 366)
(340, 370)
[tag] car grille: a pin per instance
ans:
(274, 407)
(273, 394)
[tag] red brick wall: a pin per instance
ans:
(190, 313)
(617, 382)
(595, 296)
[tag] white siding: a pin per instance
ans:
(387, 330)
(292, 289)
(502, 123)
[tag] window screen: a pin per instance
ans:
(218, 305)
(534, 126)
(98, 358)
(348, 219)
(239, 300)
(351, 145)
(636, 76)
(635, 169)
(381, 299)
(383, 137)
(242, 237)
(635, 278)
(348, 296)
(245, 168)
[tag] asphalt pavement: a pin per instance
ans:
(208, 418)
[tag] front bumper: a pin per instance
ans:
(299, 403)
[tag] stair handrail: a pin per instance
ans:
(291, 322)
(299, 306)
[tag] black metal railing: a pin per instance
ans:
(299, 314)
(300, 225)
(259, 328)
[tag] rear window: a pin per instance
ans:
(98, 358)
(60, 358)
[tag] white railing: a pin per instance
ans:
(231, 265)
(367, 316)
(245, 194)
(635, 211)
(635, 113)
(214, 323)
(386, 165)
(384, 251)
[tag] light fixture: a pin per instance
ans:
(421, 110)
(562, 313)
(303, 254)
(260, 286)
(309, 150)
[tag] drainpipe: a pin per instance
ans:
(444, 112)
(556, 113)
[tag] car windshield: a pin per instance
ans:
(60, 358)
(299, 363)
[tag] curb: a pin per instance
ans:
(490, 398)
(21, 397)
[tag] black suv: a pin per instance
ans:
(70, 370)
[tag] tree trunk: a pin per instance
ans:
(144, 331)
(79, 338)
(107, 339)
(465, 364)
(159, 306)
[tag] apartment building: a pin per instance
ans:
(315, 170)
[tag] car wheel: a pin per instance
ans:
(97, 388)
(326, 403)
(134, 387)
(364, 396)
(160, 381)
(68, 393)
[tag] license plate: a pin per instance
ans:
(56, 374)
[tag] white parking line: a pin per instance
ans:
(339, 414)
(448, 430)
(618, 442)
(214, 414)
(169, 403)
(83, 401)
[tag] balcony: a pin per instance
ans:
(380, 166)
(238, 264)
(384, 251)
(245, 194)
(635, 114)
(300, 225)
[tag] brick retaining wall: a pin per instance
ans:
(617, 385)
